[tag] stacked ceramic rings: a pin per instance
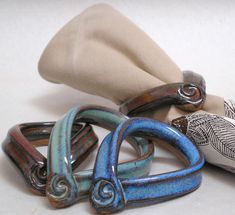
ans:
(110, 186)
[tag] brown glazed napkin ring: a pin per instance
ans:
(22, 140)
(188, 95)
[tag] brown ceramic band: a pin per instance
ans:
(22, 140)
(188, 95)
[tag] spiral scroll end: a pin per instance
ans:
(61, 191)
(38, 176)
(107, 197)
(193, 97)
(193, 91)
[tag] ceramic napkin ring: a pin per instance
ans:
(65, 187)
(110, 193)
(189, 95)
(22, 140)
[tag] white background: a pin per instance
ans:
(198, 35)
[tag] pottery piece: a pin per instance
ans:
(110, 193)
(22, 140)
(64, 187)
(189, 95)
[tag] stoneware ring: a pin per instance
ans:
(22, 140)
(110, 193)
(65, 187)
(189, 95)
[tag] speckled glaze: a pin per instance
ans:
(65, 187)
(110, 193)
(22, 140)
(189, 95)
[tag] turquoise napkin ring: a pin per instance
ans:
(65, 187)
(110, 193)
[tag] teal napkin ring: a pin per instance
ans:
(65, 187)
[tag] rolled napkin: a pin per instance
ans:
(103, 53)
(215, 135)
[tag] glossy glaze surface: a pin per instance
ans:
(65, 187)
(188, 95)
(22, 140)
(110, 193)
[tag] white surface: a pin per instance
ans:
(198, 35)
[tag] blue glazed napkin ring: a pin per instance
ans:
(65, 187)
(110, 193)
